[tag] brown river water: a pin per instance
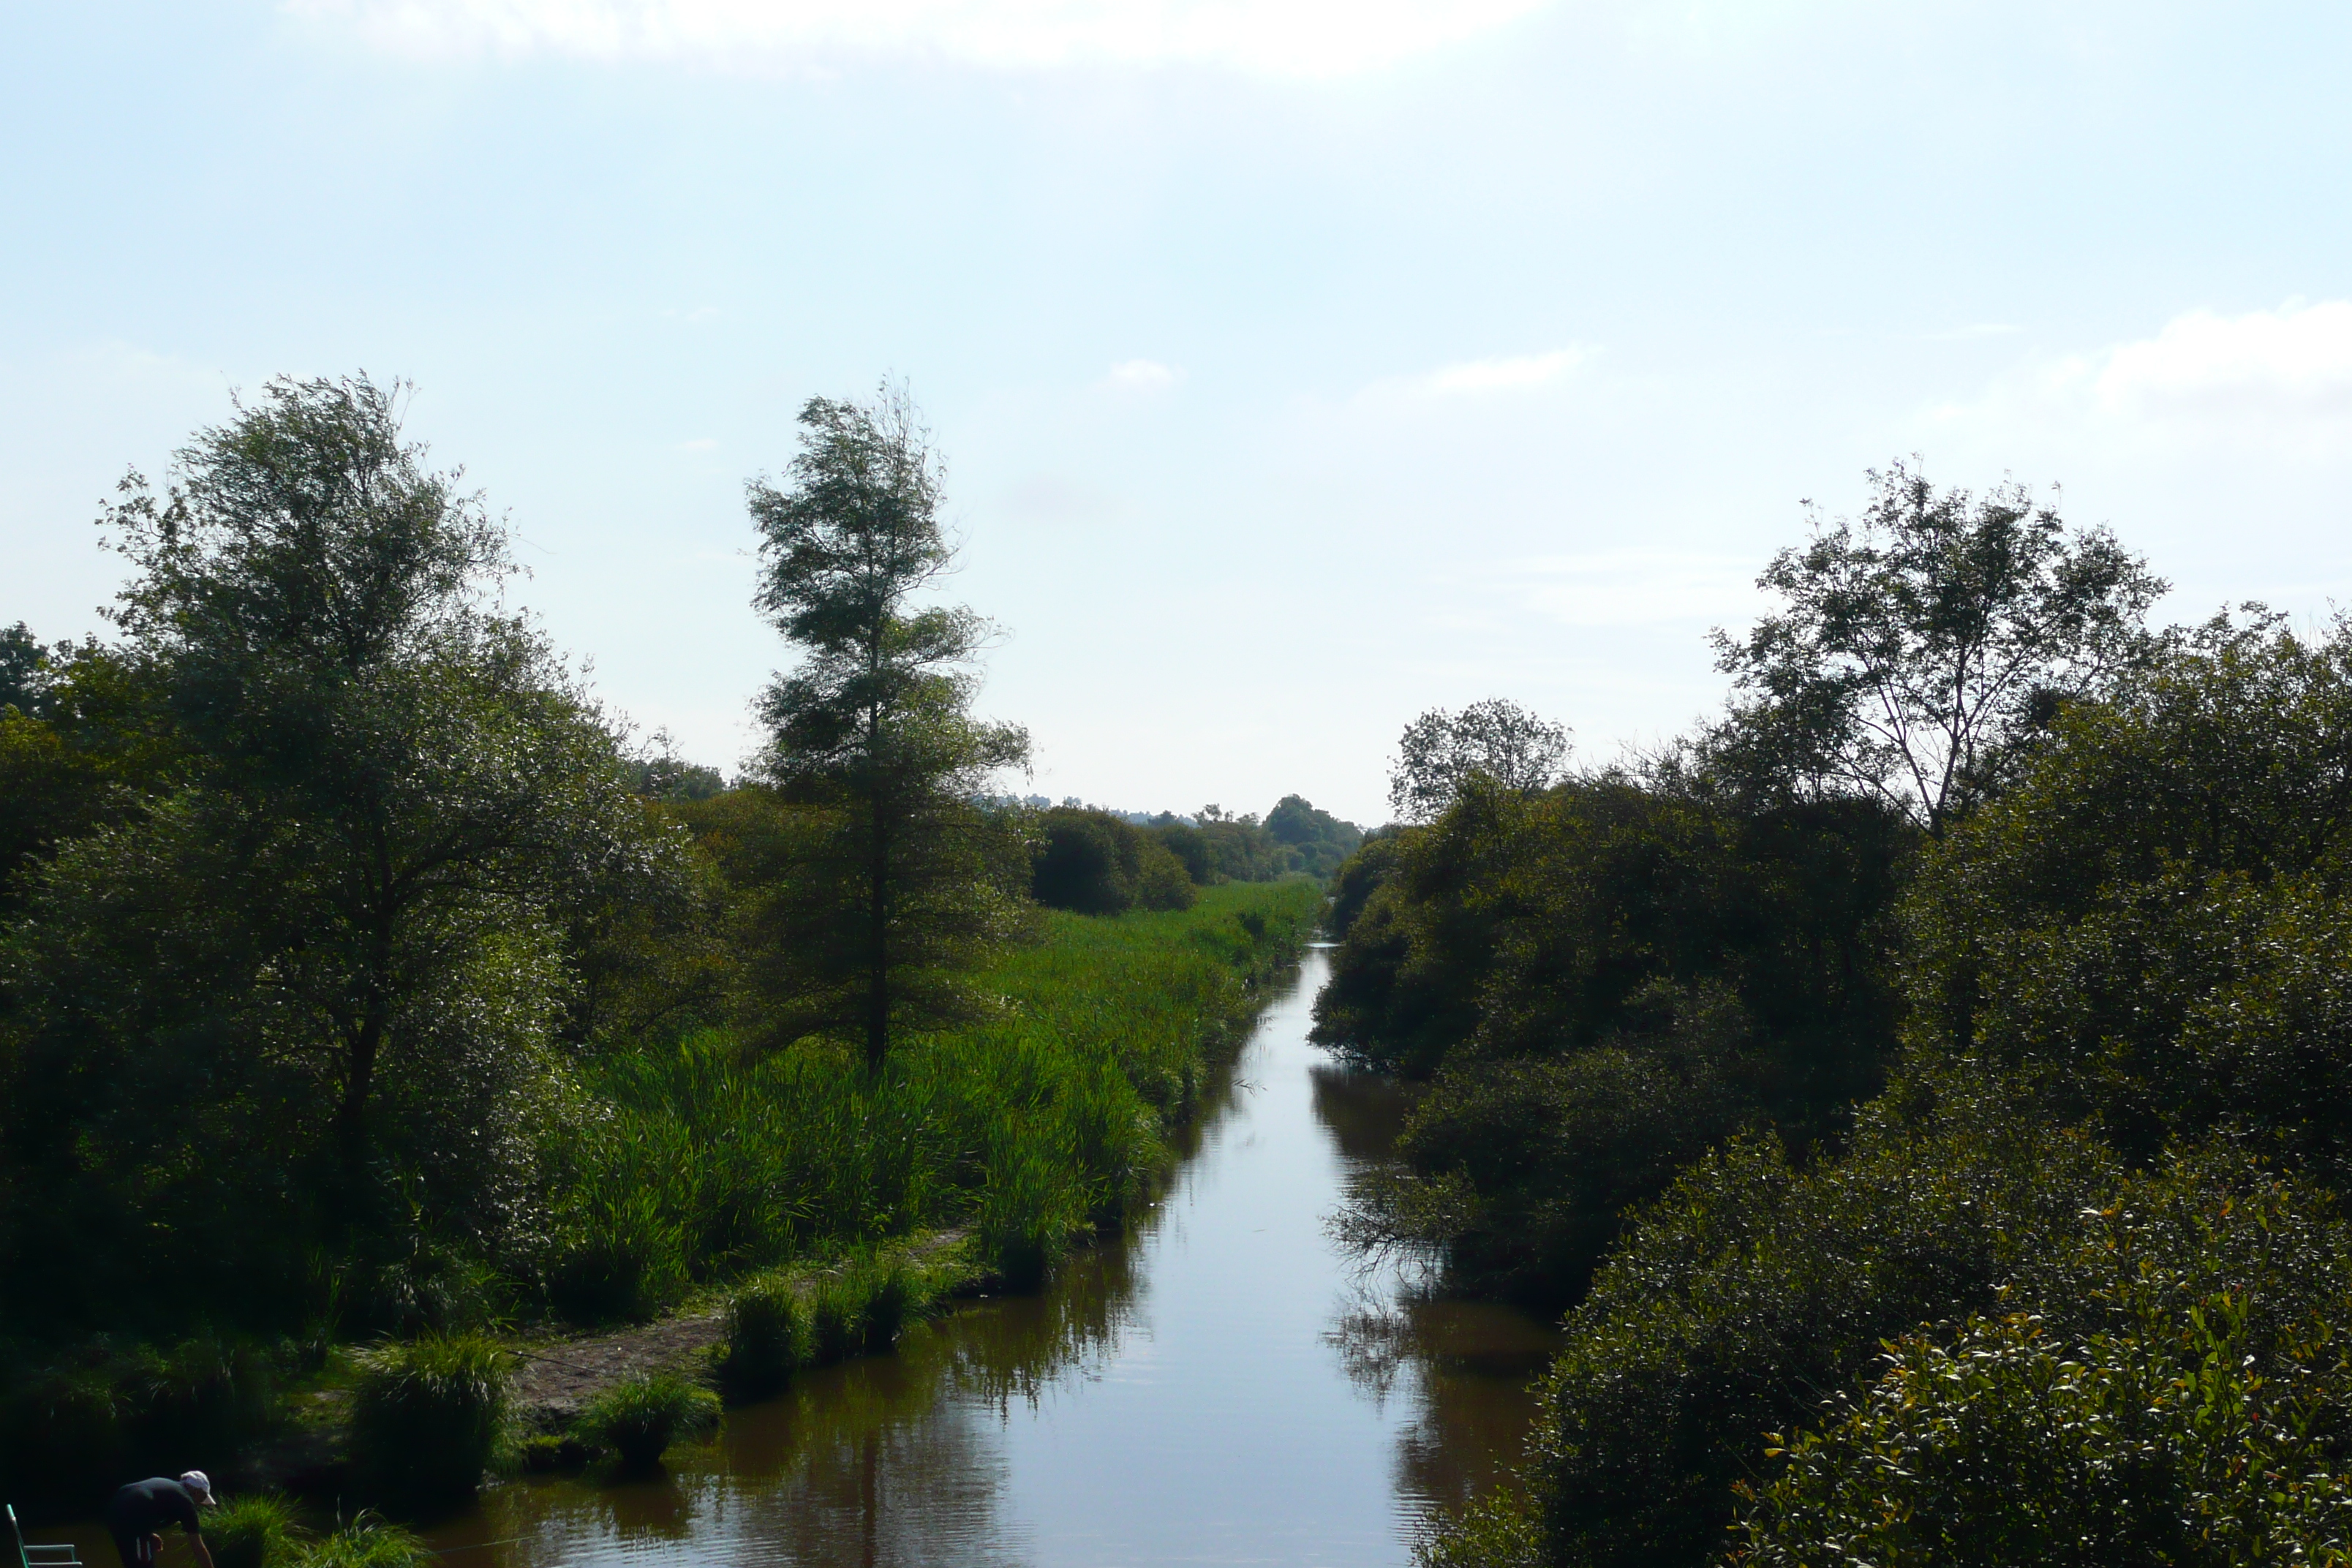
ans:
(1220, 1385)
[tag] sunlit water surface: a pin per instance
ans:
(1220, 1386)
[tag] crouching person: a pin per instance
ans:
(140, 1512)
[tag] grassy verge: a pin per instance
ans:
(794, 1186)
(706, 1165)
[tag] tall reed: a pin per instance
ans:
(707, 1164)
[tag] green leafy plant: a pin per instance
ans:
(769, 1337)
(427, 1416)
(367, 1542)
(259, 1530)
(640, 1418)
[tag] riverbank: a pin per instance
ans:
(1012, 1140)
(1213, 1382)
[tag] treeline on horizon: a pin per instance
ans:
(1927, 1087)
(358, 976)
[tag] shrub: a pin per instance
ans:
(1750, 1288)
(1518, 1172)
(426, 1416)
(2151, 926)
(640, 1418)
(2009, 1447)
(1750, 1291)
(257, 1530)
(769, 1337)
(1096, 864)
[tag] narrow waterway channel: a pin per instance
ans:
(1220, 1386)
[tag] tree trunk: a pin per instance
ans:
(877, 937)
(351, 1115)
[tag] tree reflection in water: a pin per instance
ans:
(1465, 1365)
(1070, 1429)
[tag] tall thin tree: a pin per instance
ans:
(898, 886)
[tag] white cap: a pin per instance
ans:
(199, 1483)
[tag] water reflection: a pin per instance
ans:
(1173, 1397)
(1461, 1368)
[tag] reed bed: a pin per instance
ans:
(706, 1163)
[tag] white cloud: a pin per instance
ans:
(1140, 376)
(700, 443)
(1277, 38)
(2293, 364)
(2272, 381)
(1633, 587)
(1516, 374)
(1471, 379)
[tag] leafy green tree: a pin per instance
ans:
(25, 668)
(1320, 840)
(1603, 981)
(1441, 750)
(323, 965)
(1922, 643)
(1099, 864)
(899, 881)
(2152, 926)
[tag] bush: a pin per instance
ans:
(2011, 1447)
(640, 1418)
(257, 1530)
(769, 1337)
(1092, 863)
(71, 1429)
(1518, 1173)
(1750, 1291)
(2152, 926)
(1750, 1287)
(427, 1416)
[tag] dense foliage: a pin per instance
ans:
(2068, 1289)
(1099, 864)
(1603, 980)
(357, 979)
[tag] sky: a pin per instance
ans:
(1299, 365)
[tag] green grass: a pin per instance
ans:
(429, 1415)
(368, 1541)
(640, 1418)
(259, 1530)
(1030, 1128)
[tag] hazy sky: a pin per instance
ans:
(1300, 365)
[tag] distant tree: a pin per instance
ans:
(900, 881)
(23, 665)
(1923, 642)
(1440, 750)
(1189, 847)
(1099, 864)
(666, 777)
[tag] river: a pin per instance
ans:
(1220, 1385)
